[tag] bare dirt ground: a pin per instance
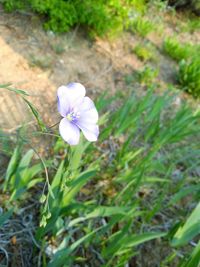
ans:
(39, 62)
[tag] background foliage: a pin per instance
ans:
(99, 17)
(110, 198)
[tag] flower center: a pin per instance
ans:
(73, 116)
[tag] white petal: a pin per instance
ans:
(70, 95)
(63, 105)
(90, 131)
(69, 132)
(88, 112)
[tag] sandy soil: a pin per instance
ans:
(39, 62)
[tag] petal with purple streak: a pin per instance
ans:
(69, 132)
(90, 131)
(63, 106)
(69, 96)
(88, 112)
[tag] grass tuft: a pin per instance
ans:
(141, 26)
(176, 50)
(144, 52)
(189, 76)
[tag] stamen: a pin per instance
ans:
(73, 116)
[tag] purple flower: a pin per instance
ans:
(78, 112)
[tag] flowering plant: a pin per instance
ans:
(78, 112)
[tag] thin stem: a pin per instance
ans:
(54, 125)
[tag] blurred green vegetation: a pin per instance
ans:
(188, 57)
(111, 197)
(189, 76)
(141, 26)
(144, 52)
(177, 50)
(99, 17)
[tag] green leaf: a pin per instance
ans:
(33, 182)
(189, 230)
(184, 192)
(63, 256)
(76, 185)
(76, 155)
(194, 260)
(155, 180)
(36, 115)
(33, 170)
(22, 179)
(116, 241)
(55, 185)
(136, 240)
(103, 211)
(12, 166)
(22, 169)
(17, 91)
